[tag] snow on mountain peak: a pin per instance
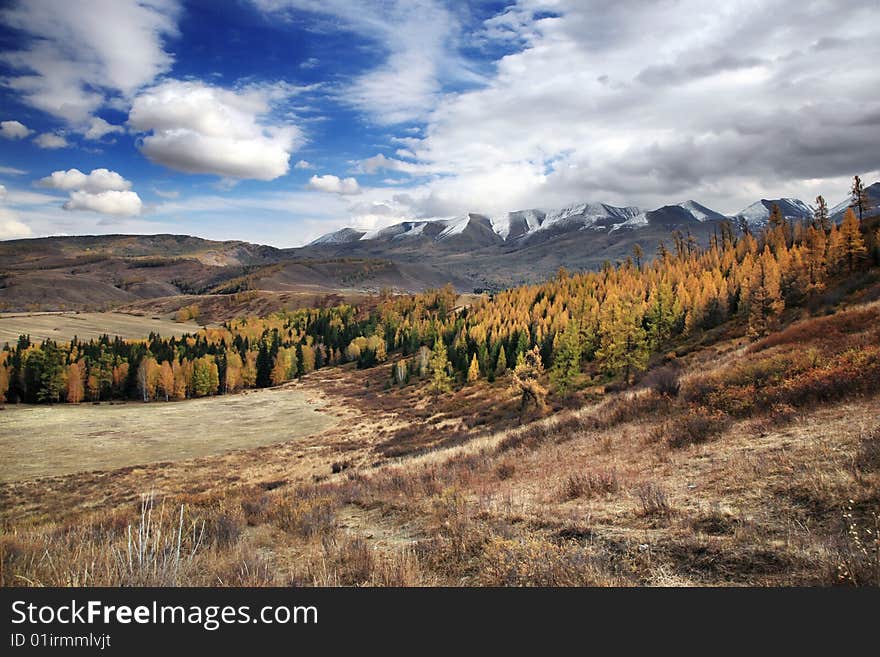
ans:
(455, 226)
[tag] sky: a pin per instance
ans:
(276, 121)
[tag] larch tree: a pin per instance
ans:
(4, 381)
(765, 297)
(148, 378)
(166, 380)
(623, 345)
(821, 220)
(76, 382)
(567, 358)
(182, 378)
(205, 376)
(852, 244)
(501, 363)
(281, 368)
(439, 365)
(638, 254)
(473, 374)
(527, 379)
(662, 314)
(815, 258)
(858, 197)
(232, 379)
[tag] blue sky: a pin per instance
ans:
(275, 121)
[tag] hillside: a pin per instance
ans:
(707, 419)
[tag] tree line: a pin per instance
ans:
(613, 319)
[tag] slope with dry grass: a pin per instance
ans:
(675, 483)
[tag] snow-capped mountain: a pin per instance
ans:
(529, 225)
(523, 227)
(758, 212)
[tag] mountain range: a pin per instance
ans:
(474, 252)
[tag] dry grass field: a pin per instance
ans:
(41, 440)
(675, 482)
(85, 326)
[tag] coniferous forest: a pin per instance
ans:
(608, 322)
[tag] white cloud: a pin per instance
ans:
(303, 164)
(2, 192)
(121, 203)
(11, 227)
(419, 39)
(80, 58)
(198, 128)
(101, 190)
(168, 194)
(98, 180)
(380, 162)
(98, 128)
(51, 140)
(335, 185)
(11, 171)
(724, 104)
(14, 130)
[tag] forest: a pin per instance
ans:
(608, 323)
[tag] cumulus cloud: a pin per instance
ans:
(100, 190)
(51, 140)
(98, 128)
(604, 101)
(335, 185)
(14, 130)
(98, 180)
(198, 128)
(77, 60)
(109, 202)
(11, 227)
(303, 164)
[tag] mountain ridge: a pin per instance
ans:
(523, 224)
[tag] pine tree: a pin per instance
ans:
(567, 358)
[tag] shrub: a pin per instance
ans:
(590, 484)
(652, 499)
(697, 425)
(664, 381)
(304, 516)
